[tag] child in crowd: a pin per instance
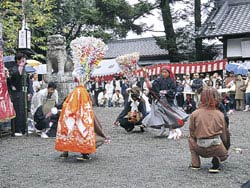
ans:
(189, 104)
(227, 102)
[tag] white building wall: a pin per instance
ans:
(238, 47)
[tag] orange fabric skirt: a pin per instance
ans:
(75, 131)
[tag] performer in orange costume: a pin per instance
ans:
(78, 129)
(75, 130)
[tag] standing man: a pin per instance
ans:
(18, 79)
(187, 85)
(197, 86)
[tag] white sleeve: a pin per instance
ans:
(56, 94)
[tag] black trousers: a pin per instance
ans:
(128, 125)
(43, 124)
(19, 122)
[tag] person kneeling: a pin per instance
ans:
(134, 111)
(209, 135)
(46, 118)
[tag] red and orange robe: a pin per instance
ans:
(75, 130)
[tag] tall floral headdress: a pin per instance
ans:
(87, 53)
(129, 64)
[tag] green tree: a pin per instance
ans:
(11, 18)
(39, 18)
(106, 19)
(169, 30)
(184, 41)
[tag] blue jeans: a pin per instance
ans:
(247, 98)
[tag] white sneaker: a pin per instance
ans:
(175, 137)
(179, 133)
(246, 108)
(44, 135)
(163, 130)
(230, 112)
(18, 134)
(38, 132)
(171, 135)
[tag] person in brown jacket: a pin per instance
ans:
(209, 135)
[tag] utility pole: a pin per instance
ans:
(198, 40)
(24, 40)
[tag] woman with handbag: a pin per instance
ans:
(247, 93)
(134, 111)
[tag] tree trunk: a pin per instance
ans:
(197, 20)
(169, 30)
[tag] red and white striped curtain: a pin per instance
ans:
(183, 68)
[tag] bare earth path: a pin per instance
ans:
(130, 160)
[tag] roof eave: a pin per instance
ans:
(223, 35)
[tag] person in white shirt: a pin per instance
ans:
(42, 104)
(206, 80)
(216, 80)
(35, 83)
(110, 88)
(117, 98)
(41, 97)
(103, 98)
(187, 85)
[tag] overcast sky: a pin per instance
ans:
(150, 20)
(154, 19)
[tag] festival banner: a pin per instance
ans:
(184, 68)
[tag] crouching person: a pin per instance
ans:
(46, 118)
(134, 111)
(209, 135)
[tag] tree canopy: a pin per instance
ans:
(106, 19)
(181, 41)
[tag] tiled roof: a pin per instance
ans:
(232, 18)
(147, 47)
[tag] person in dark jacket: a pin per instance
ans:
(19, 78)
(189, 105)
(134, 111)
(164, 113)
(46, 118)
(179, 95)
(197, 86)
(228, 103)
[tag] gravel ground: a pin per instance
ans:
(131, 160)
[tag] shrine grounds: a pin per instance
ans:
(131, 160)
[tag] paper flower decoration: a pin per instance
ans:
(87, 53)
(129, 64)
